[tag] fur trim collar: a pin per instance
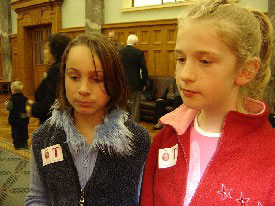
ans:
(112, 135)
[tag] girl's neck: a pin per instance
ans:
(86, 125)
(210, 122)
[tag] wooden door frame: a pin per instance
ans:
(30, 14)
(45, 35)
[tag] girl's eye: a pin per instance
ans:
(205, 62)
(97, 80)
(74, 78)
(180, 60)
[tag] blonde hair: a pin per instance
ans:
(247, 33)
(17, 86)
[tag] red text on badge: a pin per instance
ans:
(52, 154)
(168, 157)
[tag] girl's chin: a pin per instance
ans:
(84, 111)
(192, 105)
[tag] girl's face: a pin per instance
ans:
(84, 82)
(205, 68)
(48, 57)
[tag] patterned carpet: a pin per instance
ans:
(14, 179)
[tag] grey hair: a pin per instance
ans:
(132, 39)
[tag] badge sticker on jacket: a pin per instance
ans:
(168, 157)
(52, 154)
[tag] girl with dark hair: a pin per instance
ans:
(89, 152)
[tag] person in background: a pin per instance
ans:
(89, 152)
(271, 118)
(170, 97)
(45, 95)
(113, 38)
(218, 147)
(18, 118)
(136, 73)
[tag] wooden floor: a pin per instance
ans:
(5, 130)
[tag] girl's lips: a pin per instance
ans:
(85, 104)
(188, 93)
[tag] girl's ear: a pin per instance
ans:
(248, 71)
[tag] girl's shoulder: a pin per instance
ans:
(47, 132)
(166, 135)
(136, 128)
(138, 131)
(141, 139)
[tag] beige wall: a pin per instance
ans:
(73, 13)
(113, 12)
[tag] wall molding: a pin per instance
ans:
(21, 5)
(72, 29)
(140, 23)
(127, 5)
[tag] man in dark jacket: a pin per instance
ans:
(18, 118)
(136, 73)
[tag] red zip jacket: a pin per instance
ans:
(240, 173)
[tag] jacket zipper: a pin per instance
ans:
(185, 158)
(82, 199)
(210, 162)
(82, 191)
(69, 156)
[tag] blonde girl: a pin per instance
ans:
(217, 148)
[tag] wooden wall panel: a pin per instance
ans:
(1, 71)
(73, 32)
(171, 63)
(156, 38)
(14, 57)
(144, 37)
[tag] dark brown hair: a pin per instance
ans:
(114, 77)
(58, 43)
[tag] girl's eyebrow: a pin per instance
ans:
(200, 52)
(176, 51)
(76, 70)
(91, 72)
(70, 69)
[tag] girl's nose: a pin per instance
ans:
(84, 88)
(187, 72)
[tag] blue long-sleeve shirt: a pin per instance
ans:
(84, 159)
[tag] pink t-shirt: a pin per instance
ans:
(202, 147)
